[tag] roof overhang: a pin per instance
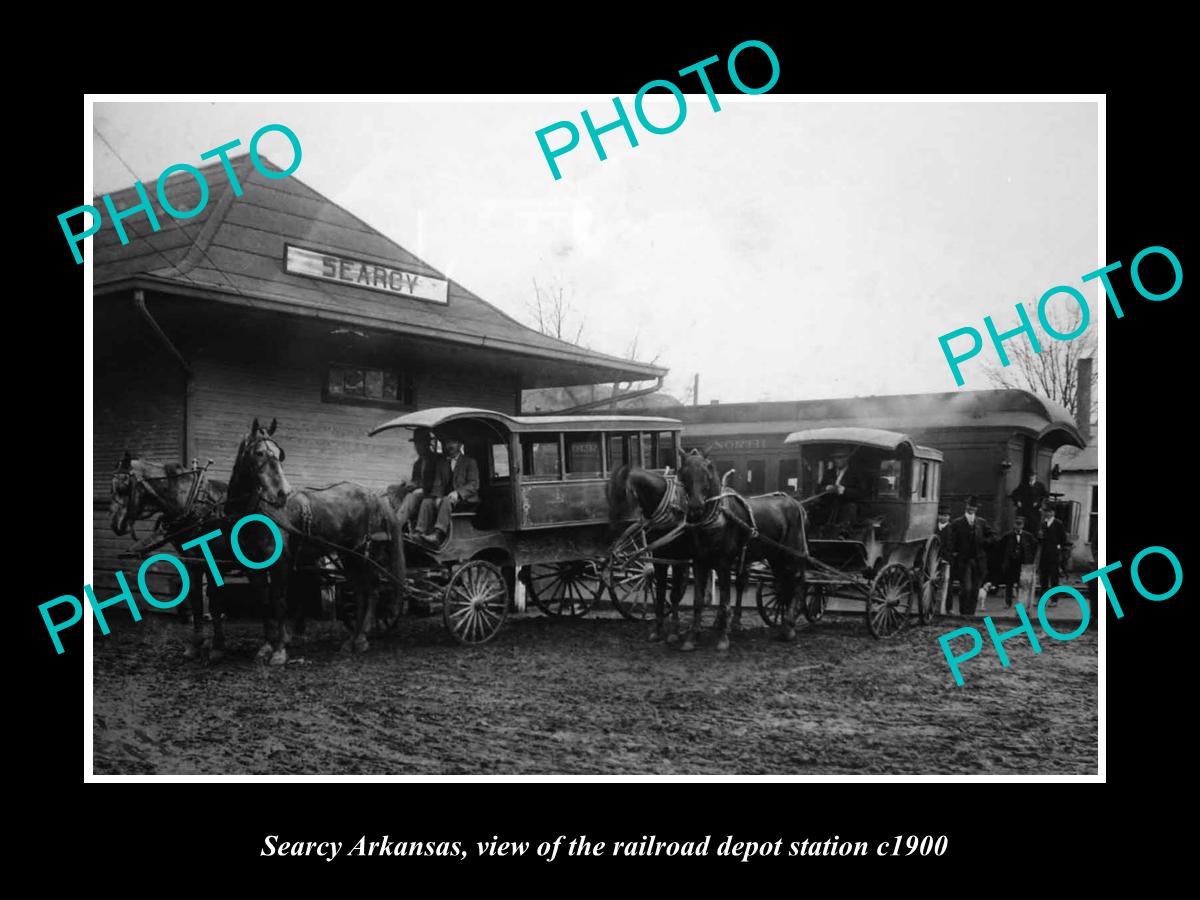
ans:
(444, 415)
(891, 441)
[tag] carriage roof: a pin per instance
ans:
(437, 417)
(878, 438)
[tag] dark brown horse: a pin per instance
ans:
(728, 531)
(632, 488)
(189, 504)
(314, 521)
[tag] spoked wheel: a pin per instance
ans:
(890, 600)
(476, 602)
(927, 577)
(630, 585)
(566, 588)
(815, 600)
(765, 598)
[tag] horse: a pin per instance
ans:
(631, 487)
(188, 503)
(728, 530)
(341, 516)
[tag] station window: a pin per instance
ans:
(583, 455)
(368, 386)
(540, 456)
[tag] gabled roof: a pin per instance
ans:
(233, 251)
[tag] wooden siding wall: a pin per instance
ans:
(138, 406)
(324, 442)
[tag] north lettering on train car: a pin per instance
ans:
(144, 206)
(623, 123)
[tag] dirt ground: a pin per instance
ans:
(591, 696)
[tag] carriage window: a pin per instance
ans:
(622, 450)
(499, 461)
(540, 457)
(923, 481)
(889, 478)
(583, 455)
(664, 449)
(366, 386)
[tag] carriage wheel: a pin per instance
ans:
(476, 602)
(767, 602)
(928, 580)
(815, 600)
(566, 588)
(631, 587)
(890, 600)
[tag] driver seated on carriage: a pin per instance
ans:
(456, 489)
(422, 483)
(842, 488)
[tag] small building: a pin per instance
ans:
(989, 438)
(280, 304)
(1076, 476)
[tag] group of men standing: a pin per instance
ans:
(968, 541)
(440, 484)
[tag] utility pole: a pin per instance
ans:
(696, 390)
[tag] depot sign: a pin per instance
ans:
(330, 267)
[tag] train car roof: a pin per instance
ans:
(439, 416)
(862, 437)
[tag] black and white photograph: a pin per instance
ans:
(530, 436)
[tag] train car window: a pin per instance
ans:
(648, 455)
(540, 457)
(622, 451)
(583, 455)
(756, 475)
(664, 449)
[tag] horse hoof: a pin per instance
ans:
(348, 645)
(789, 634)
(672, 638)
(191, 651)
(360, 644)
(216, 655)
(688, 646)
(264, 651)
(279, 657)
(723, 643)
(655, 636)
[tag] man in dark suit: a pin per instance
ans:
(843, 490)
(968, 538)
(460, 474)
(1018, 550)
(422, 483)
(1053, 538)
(1029, 498)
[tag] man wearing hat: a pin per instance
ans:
(1028, 498)
(842, 488)
(1053, 538)
(1018, 550)
(967, 540)
(424, 480)
(461, 475)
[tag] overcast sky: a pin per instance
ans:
(780, 249)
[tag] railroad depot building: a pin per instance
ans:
(988, 438)
(279, 304)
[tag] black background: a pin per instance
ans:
(212, 833)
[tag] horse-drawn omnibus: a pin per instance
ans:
(878, 542)
(542, 517)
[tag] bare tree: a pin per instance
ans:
(1054, 372)
(553, 313)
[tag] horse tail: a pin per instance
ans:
(619, 493)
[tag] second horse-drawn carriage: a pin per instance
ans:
(872, 531)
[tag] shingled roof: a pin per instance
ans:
(233, 252)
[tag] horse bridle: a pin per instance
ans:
(247, 448)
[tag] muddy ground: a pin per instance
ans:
(590, 696)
